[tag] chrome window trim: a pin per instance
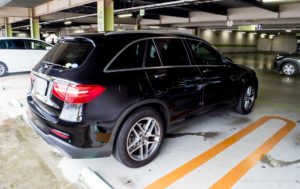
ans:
(163, 67)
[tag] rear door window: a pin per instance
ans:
(15, 44)
(69, 54)
(172, 52)
(152, 58)
(131, 57)
(36, 45)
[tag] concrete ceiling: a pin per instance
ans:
(23, 3)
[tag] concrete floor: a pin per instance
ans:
(23, 153)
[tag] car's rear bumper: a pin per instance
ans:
(63, 147)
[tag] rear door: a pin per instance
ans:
(15, 55)
(217, 75)
(172, 76)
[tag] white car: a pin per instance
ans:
(21, 54)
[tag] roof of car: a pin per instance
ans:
(136, 34)
(1, 38)
(22, 38)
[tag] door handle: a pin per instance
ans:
(160, 75)
(206, 70)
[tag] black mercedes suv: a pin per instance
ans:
(119, 93)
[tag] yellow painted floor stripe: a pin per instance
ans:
(244, 166)
(188, 167)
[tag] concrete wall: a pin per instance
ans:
(264, 45)
(228, 42)
(280, 43)
(284, 43)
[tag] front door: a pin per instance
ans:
(173, 78)
(219, 86)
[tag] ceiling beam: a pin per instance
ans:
(14, 12)
(209, 8)
(259, 4)
(58, 5)
(169, 12)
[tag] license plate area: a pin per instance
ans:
(40, 86)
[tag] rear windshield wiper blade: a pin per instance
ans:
(53, 64)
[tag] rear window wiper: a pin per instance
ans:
(53, 64)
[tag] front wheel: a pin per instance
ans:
(140, 138)
(289, 69)
(246, 100)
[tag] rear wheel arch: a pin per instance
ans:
(155, 104)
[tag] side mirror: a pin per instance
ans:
(228, 61)
(48, 48)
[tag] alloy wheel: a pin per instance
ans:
(249, 98)
(143, 139)
(2, 70)
(289, 69)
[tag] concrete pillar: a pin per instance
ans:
(8, 28)
(105, 15)
(35, 28)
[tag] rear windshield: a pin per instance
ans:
(69, 54)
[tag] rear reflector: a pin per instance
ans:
(76, 93)
(60, 134)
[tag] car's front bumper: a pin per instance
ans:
(64, 147)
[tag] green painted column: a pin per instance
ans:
(35, 28)
(105, 15)
(8, 28)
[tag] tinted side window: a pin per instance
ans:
(3, 44)
(131, 57)
(172, 52)
(36, 45)
(15, 44)
(152, 59)
(203, 53)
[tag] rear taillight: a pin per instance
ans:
(76, 93)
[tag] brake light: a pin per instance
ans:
(76, 93)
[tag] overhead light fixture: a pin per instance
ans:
(182, 29)
(154, 27)
(213, 30)
(263, 35)
(229, 31)
(68, 22)
(271, 36)
(79, 31)
(289, 31)
(254, 33)
(125, 15)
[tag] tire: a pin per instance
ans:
(289, 69)
(3, 69)
(246, 100)
(133, 138)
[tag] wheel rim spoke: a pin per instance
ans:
(135, 149)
